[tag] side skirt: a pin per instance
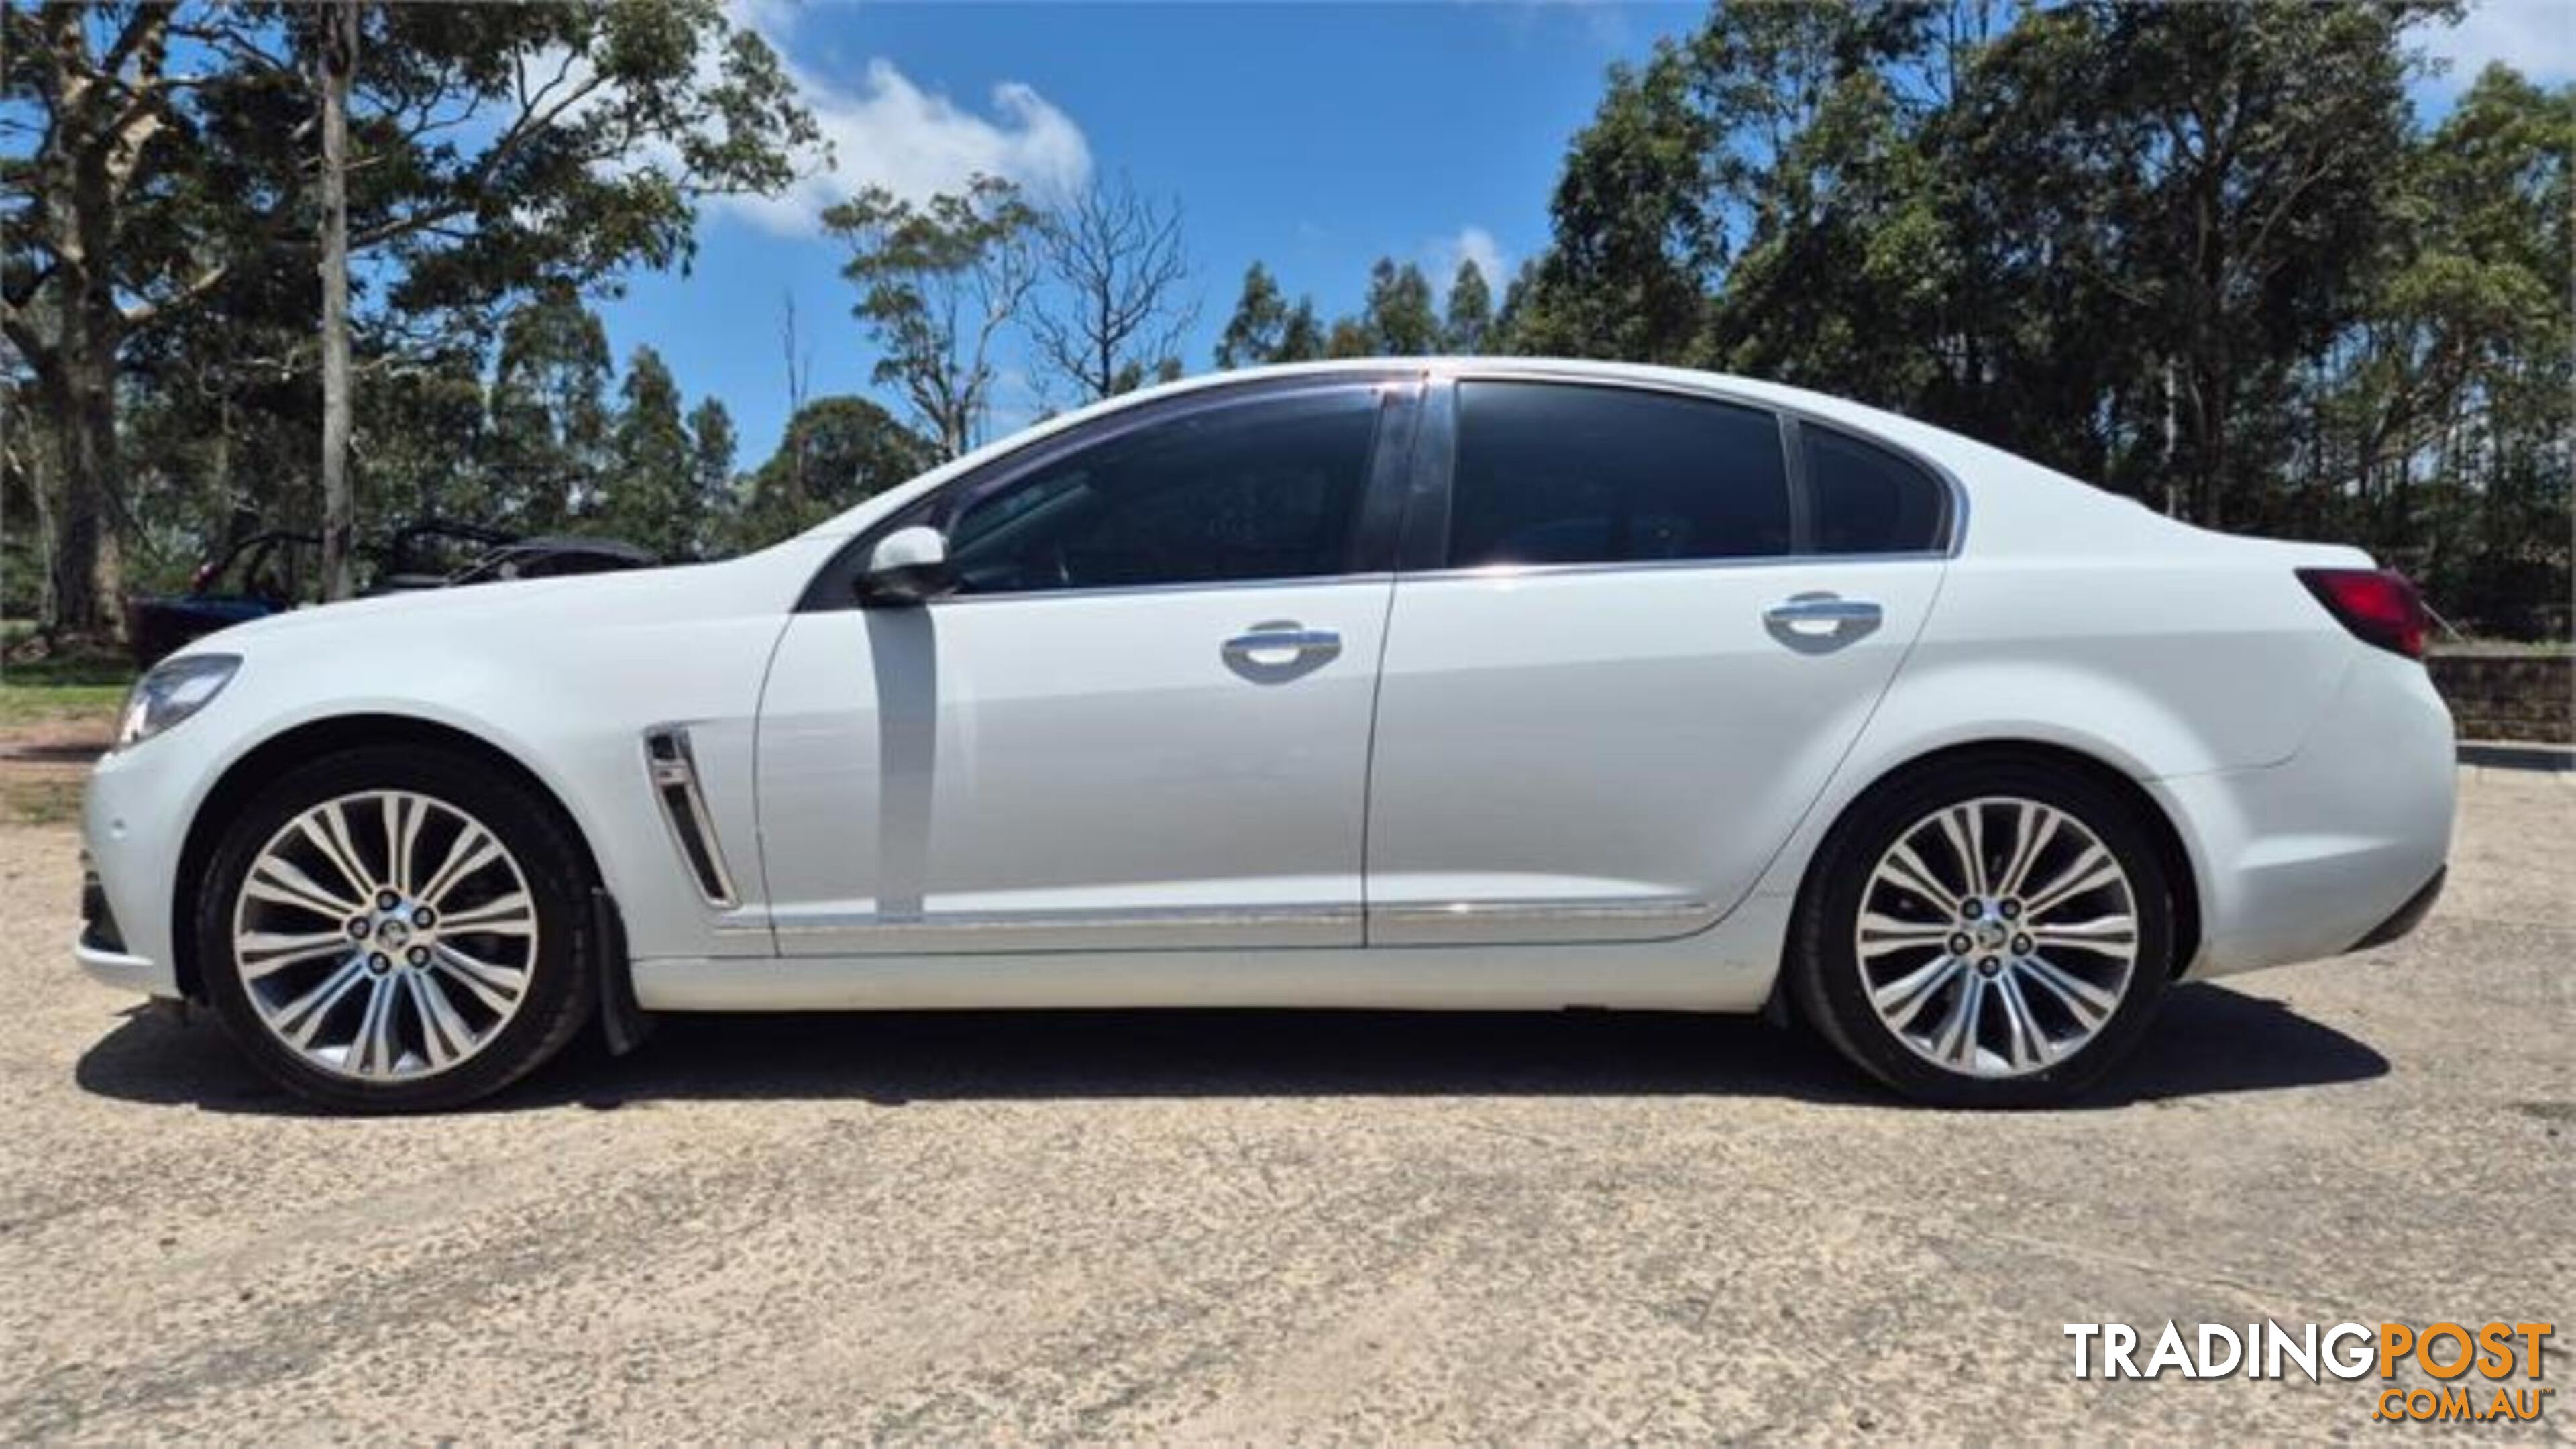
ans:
(1727, 969)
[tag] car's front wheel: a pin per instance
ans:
(1990, 932)
(396, 929)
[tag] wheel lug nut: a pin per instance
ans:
(417, 955)
(1988, 966)
(1969, 910)
(387, 900)
(1959, 944)
(377, 963)
(2021, 945)
(357, 928)
(2011, 909)
(424, 917)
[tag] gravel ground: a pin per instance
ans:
(1264, 1227)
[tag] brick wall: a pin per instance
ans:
(2498, 695)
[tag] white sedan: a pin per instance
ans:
(1452, 684)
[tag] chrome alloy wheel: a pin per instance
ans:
(385, 935)
(1997, 937)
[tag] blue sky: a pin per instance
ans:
(1315, 137)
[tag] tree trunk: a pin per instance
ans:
(83, 403)
(339, 514)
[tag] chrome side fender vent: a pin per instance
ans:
(674, 772)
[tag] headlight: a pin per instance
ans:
(173, 690)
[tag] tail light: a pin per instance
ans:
(2379, 606)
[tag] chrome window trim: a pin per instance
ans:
(1112, 591)
(1492, 573)
(1954, 520)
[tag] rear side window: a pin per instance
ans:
(1865, 499)
(1552, 473)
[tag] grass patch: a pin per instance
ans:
(46, 704)
(40, 799)
(98, 670)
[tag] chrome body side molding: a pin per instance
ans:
(1566, 920)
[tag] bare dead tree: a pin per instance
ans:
(1115, 311)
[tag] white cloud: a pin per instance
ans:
(2536, 37)
(885, 130)
(1471, 244)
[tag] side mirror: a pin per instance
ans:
(908, 566)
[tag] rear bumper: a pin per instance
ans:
(2301, 860)
(2408, 916)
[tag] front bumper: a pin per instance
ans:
(131, 841)
(126, 972)
(101, 949)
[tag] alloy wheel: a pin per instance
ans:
(385, 935)
(1997, 937)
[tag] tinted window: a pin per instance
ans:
(1549, 473)
(1258, 490)
(1866, 499)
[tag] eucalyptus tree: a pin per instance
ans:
(162, 154)
(938, 282)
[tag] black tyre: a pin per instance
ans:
(1987, 933)
(397, 929)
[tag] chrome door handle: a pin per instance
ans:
(1823, 609)
(1283, 638)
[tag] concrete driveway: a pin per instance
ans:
(1307, 1227)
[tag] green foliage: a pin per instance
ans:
(159, 288)
(1252, 335)
(1301, 336)
(1266, 328)
(1469, 325)
(2200, 254)
(838, 452)
(1398, 318)
(937, 283)
(651, 495)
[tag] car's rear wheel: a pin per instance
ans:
(396, 929)
(1990, 932)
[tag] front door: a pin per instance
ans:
(1141, 721)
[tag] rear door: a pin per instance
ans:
(1639, 642)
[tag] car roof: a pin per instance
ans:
(2048, 501)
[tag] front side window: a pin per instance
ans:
(1558, 473)
(1867, 499)
(1263, 489)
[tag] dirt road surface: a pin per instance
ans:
(1303, 1227)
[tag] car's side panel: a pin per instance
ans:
(1612, 753)
(2189, 662)
(2231, 669)
(1074, 771)
(562, 676)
